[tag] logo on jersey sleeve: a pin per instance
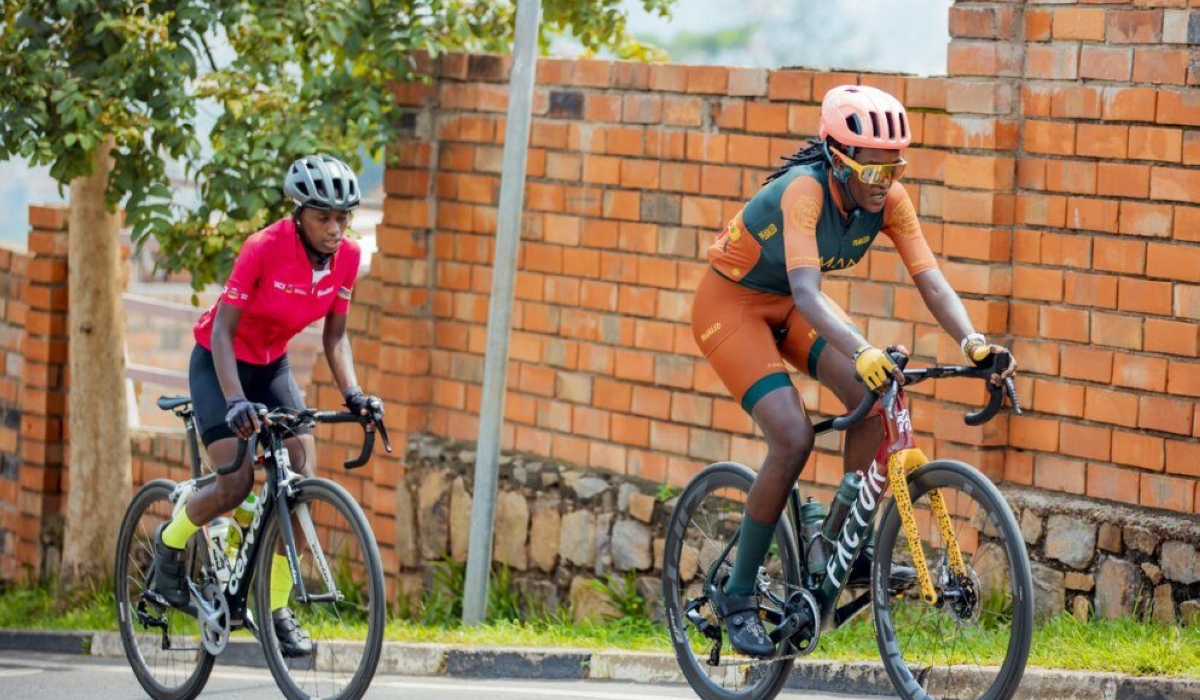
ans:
(344, 293)
(234, 295)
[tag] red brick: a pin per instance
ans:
(1167, 493)
(1089, 442)
(1174, 262)
(1037, 283)
(1088, 214)
(1138, 450)
(1101, 63)
(1112, 483)
(1102, 140)
(1135, 26)
(1086, 363)
(1166, 415)
(1184, 378)
(1057, 138)
(1157, 65)
(707, 80)
(1078, 23)
(1123, 180)
(1155, 143)
(1144, 296)
(1174, 184)
(1139, 372)
(982, 58)
(1172, 337)
(1178, 107)
(1058, 474)
(1183, 458)
(790, 85)
(1049, 62)
(1111, 406)
(1041, 210)
(1038, 24)
(1129, 104)
(1146, 219)
(1115, 255)
(1058, 398)
(1187, 224)
(1033, 433)
(1117, 330)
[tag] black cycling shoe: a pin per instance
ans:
(293, 641)
(169, 581)
(901, 577)
(740, 615)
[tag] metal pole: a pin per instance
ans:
(495, 368)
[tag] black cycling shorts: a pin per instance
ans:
(271, 385)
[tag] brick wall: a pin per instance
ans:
(1054, 173)
(33, 329)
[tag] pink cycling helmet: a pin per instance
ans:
(864, 117)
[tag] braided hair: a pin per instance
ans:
(814, 151)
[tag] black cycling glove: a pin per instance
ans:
(240, 413)
(358, 402)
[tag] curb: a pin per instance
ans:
(410, 659)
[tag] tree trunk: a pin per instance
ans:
(98, 470)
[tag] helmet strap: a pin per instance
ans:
(321, 258)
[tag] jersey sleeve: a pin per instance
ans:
(900, 224)
(345, 290)
(243, 281)
(801, 204)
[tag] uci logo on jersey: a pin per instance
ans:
(289, 288)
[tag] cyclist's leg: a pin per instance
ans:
(733, 327)
(282, 391)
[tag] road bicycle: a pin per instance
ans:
(337, 594)
(961, 629)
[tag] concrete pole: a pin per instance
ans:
(504, 269)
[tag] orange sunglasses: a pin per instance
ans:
(874, 173)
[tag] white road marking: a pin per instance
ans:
(514, 689)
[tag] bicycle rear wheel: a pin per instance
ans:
(974, 642)
(706, 519)
(342, 576)
(163, 645)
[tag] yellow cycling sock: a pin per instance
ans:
(177, 532)
(281, 582)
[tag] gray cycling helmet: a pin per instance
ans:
(322, 182)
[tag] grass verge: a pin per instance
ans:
(1121, 646)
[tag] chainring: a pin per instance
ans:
(213, 618)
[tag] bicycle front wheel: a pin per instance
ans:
(344, 601)
(974, 641)
(163, 645)
(699, 536)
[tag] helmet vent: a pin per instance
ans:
(903, 125)
(875, 125)
(852, 122)
(891, 126)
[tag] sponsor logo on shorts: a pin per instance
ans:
(709, 331)
(862, 241)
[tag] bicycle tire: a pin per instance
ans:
(179, 673)
(711, 507)
(991, 610)
(341, 666)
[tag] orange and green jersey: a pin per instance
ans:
(756, 250)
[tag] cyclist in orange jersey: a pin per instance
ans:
(761, 303)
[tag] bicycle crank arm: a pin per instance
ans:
(849, 611)
(322, 598)
(702, 625)
(791, 625)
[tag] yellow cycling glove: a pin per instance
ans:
(975, 348)
(873, 366)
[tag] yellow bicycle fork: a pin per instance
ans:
(900, 465)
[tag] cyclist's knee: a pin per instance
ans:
(792, 448)
(232, 488)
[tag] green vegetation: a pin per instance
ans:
(1122, 646)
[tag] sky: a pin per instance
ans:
(909, 36)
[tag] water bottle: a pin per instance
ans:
(243, 515)
(812, 515)
(218, 531)
(844, 498)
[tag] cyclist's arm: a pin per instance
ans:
(903, 227)
(801, 204)
(337, 350)
(224, 327)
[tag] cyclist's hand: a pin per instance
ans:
(873, 366)
(984, 355)
(363, 404)
(241, 416)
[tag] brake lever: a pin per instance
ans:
(1011, 388)
(377, 419)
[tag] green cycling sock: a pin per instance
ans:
(754, 539)
(281, 582)
(177, 532)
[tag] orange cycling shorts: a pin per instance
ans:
(738, 330)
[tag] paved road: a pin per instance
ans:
(33, 676)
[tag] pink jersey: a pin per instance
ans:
(273, 284)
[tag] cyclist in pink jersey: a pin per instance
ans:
(286, 276)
